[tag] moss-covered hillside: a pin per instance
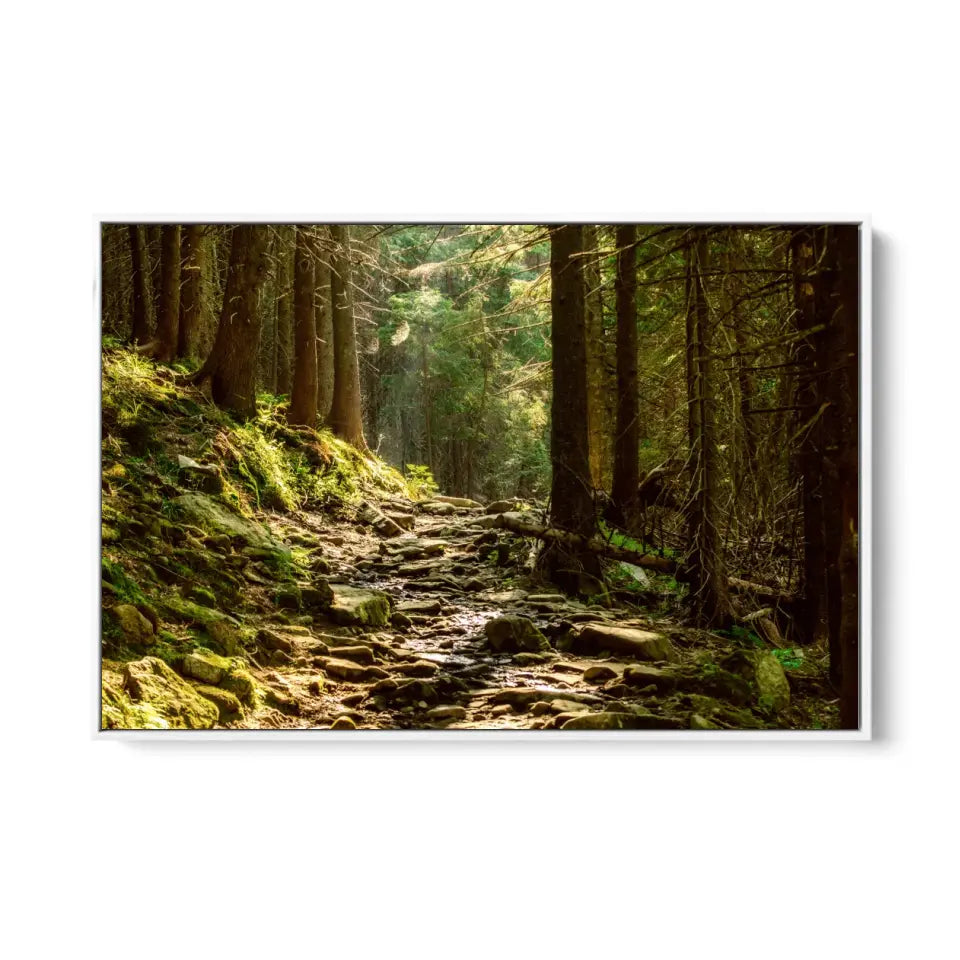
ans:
(197, 535)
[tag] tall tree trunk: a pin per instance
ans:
(303, 402)
(848, 251)
(346, 416)
(571, 500)
(324, 334)
(142, 294)
(284, 356)
(705, 565)
(626, 444)
(191, 291)
(810, 454)
(596, 367)
(232, 363)
(169, 317)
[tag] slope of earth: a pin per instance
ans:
(256, 576)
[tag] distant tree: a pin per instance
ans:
(232, 364)
(571, 499)
(346, 415)
(168, 319)
(705, 566)
(303, 401)
(626, 445)
(324, 328)
(283, 356)
(597, 386)
(191, 290)
(142, 294)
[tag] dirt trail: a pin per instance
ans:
(431, 665)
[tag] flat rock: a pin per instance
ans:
(463, 502)
(642, 644)
(356, 654)
(358, 606)
(621, 721)
(599, 674)
(445, 712)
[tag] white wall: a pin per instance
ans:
(485, 111)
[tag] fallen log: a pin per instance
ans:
(518, 523)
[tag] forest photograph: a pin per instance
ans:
(558, 477)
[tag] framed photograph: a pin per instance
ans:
(512, 480)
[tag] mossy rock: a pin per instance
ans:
(226, 702)
(214, 518)
(242, 685)
(204, 665)
(514, 635)
(134, 626)
(355, 606)
(151, 683)
(763, 672)
(202, 595)
(189, 612)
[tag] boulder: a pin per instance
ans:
(599, 674)
(214, 517)
(643, 676)
(447, 713)
(462, 502)
(438, 508)
(357, 606)
(136, 628)
(642, 644)
(513, 635)
(621, 721)
(205, 666)
(762, 670)
(225, 701)
(150, 681)
(501, 506)
(345, 670)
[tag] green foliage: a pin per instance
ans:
(420, 482)
(789, 659)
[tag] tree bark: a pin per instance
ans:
(705, 566)
(346, 416)
(232, 363)
(626, 444)
(285, 270)
(596, 369)
(191, 291)
(303, 402)
(142, 294)
(324, 337)
(571, 500)
(169, 317)
(848, 249)
(810, 454)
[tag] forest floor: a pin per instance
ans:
(378, 612)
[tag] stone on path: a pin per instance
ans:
(621, 721)
(358, 606)
(462, 502)
(595, 637)
(447, 713)
(514, 634)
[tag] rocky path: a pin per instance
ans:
(424, 616)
